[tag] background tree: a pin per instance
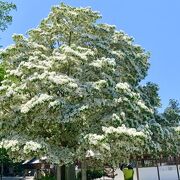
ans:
(5, 17)
(172, 116)
(5, 20)
(172, 113)
(164, 128)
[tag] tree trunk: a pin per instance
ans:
(63, 173)
(83, 170)
(2, 168)
(70, 172)
(58, 172)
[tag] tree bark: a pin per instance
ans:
(83, 171)
(70, 172)
(63, 172)
(2, 168)
(58, 172)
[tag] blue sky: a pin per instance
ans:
(155, 25)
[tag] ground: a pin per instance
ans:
(17, 178)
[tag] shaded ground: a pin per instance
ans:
(166, 173)
(17, 178)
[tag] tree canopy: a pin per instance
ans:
(71, 91)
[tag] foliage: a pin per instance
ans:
(149, 93)
(4, 156)
(91, 174)
(172, 113)
(2, 72)
(172, 116)
(48, 177)
(8, 162)
(5, 18)
(71, 92)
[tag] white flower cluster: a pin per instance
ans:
(3, 87)
(115, 117)
(122, 86)
(25, 108)
(10, 91)
(177, 129)
(12, 145)
(30, 65)
(98, 145)
(143, 106)
(123, 115)
(31, 146)
(82, 53)
(103, 62)
(36, 76)
(90, 153)
(100, 84)
(94, 139)
(54, 103)
(38, 46)
(62, 79)
(126, 89)
(122, 130)
(15, 72)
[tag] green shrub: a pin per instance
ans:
(48, 177)
(91, 174)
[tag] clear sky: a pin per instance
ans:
(155, 25)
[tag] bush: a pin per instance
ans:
(48, 177)
(91, 174)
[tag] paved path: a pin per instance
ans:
(18, 178)
(12, 178)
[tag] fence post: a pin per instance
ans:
(137, 171)
(177, 168)
(158, 170)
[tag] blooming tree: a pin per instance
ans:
(71, 91)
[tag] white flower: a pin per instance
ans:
(9, 92)
(54, 103)
(177, 128)
(34, 101)
(58, 79)
(123, 86)
(10, 145)
(15, 72)
(122, 130)
(123, 115)
(31, 146)
(90, 153)
(143, 106)
(94, 139)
